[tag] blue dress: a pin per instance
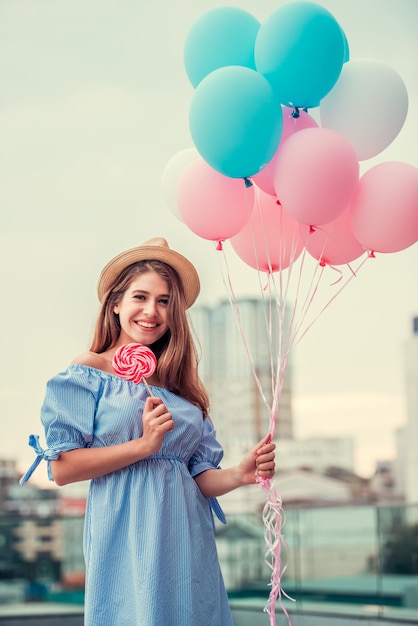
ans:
(149, 541)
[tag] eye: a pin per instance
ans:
(164, 301)
(139, 296)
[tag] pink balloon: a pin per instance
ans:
(333, 243)
(384, 209)
(212, 205)
(291, 125)
(270, 241)
(315, 175)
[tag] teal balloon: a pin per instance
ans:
(346, 56)
(235, 121)
(300, 50)
(221, 37)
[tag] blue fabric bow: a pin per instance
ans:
(47, 455)
(217, 509)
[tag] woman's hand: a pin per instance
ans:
(157, 421)
(87, 463)
(259, 462)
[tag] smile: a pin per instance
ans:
(147, 325)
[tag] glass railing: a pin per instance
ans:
(358, 556)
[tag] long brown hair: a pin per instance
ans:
(176, 352)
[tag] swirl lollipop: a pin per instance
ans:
(135, 362)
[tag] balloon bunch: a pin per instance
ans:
(280, 185)
(254, 85)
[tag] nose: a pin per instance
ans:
(150, 307)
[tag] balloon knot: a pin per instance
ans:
(219, 245)
(311, 229)
(322, 263)
(248, 182)
(295, 113)
(268, 275)
(372, 254)
(278, 202)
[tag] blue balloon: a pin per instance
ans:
(346, 47)
(235, 121)
(220, 37)
(300, 50)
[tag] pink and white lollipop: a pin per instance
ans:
(135, 362)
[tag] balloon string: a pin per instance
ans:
(273, 519)
(297, 337)
(300, 310)
(290, 332)
(279, 296)
(272, 510)
(234, 303)
(339, 272)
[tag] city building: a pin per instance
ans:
(237, 352)
(236, 367)
(38, 544)
(317, 453)
(410, 449)
(41, 532)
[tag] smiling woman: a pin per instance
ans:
(150, 453)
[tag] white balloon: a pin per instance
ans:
(171, 175)
(367, 105)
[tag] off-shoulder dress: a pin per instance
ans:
(149, 539)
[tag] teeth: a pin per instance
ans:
(147, 325)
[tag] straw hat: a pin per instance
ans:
(155, 249)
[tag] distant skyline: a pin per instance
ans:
(94, 102)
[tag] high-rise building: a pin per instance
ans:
(240, 347)
(410, 440)
(239, 353)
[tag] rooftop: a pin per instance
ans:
(246, 612)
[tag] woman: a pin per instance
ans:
(153, 461)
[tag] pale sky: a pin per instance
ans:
(94, 102)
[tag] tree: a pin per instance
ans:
(400, 552)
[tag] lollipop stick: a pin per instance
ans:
(147, 386)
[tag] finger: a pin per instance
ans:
(266, 469)
(160, 410)
(266, 439)
(266, 454)
(265, 458)
(165, 419)
(152, 402)
(266, 449)
(266, 474)
(167, 425)
(266, 463)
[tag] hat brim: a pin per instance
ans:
(184, 268)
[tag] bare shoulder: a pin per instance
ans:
(92, 359)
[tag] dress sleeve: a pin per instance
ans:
(209, 453)
(208, 456)
(67, 415)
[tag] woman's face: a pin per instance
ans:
(143, 310)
